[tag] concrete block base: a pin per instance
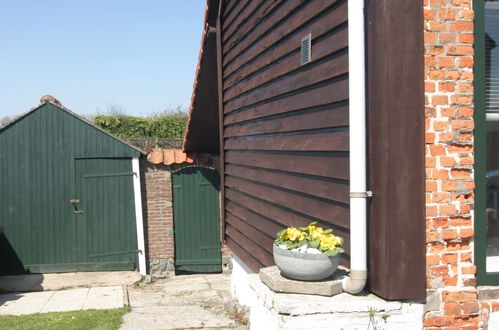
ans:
(273, 278)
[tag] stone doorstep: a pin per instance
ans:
(303, 304)
(272, 277)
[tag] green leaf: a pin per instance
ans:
(314, 244)
(328, 231)
(333, 252)
(293, 245)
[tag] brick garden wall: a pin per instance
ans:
(453, 298)
(158, 217)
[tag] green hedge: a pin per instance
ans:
(169, 126)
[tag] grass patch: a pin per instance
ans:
(88, 319)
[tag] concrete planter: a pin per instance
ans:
(305, 266)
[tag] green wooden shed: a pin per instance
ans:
(69, 195)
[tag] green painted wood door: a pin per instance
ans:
(105, 214)
(196, 215)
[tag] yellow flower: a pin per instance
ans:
(316, 232)
(293, 234)
(285, 235)
(329, 241)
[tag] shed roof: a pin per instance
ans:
(202, 129)
(57, 104)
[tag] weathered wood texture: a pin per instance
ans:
(396, 148)
(285, 126)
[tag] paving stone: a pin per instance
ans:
(272, 277)
(142, 298)
(23, 303)
(178, 287)
(53, 282)
(182, 302)
(110, 297)
(174, 317)
(66, 300)
(186, 279)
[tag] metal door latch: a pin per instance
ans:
(79, 212)
(74, 201)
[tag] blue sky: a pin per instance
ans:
(138, 55)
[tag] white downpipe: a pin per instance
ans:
(139, 222)
(357, 118)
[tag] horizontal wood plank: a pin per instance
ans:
(262, 208)
(263, 13)
(328, 189)
(335, 115)
(264, 224)
(321, 49)
(232, 11)
(228, 6)
(285, 47)
(313, 141)
(313, 73)
(319, 30)
(254, 10)
(251, 261)
(271, 219)
(262, 255)
(259, 213)
(272, 227)
(314, 207)
(314, 97)
(250, 47)
(328, 165)
(263, 240)
(259, 26)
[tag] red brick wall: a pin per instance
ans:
(158, 215)
(453, 298)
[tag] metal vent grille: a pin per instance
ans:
(306, 49)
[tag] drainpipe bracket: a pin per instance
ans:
(360, 194)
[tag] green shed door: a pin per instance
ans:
(196, 216)
(105, 214)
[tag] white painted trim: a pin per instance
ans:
(139, 221)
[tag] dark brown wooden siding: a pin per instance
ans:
(396, 148)
(285, 126)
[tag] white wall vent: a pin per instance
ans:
(306, 49)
